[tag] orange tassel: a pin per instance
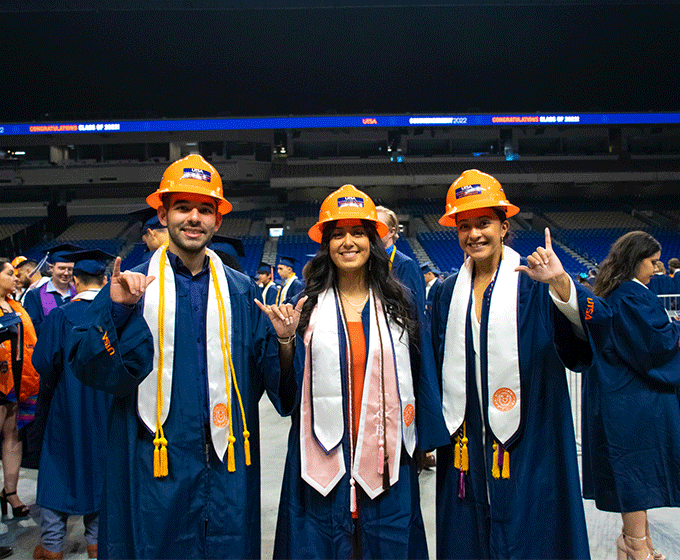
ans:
(506, 464)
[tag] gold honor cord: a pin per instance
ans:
(229, 367)
(160, 452)
(394, 252)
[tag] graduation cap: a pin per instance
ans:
(229, 245)
(92, 262)
(287, 260)
(57, 253)
(429, 266)
(264, 268)
(149, 219)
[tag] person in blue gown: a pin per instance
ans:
(55, 292)
(325, 511)
(292, 285)
(432, 283)
(73, 458)
(504, 329)
(404, 268)
(182, 477)
(631, 415)
(270, 289)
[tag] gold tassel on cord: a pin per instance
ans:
(246, 446)
(160, 456)
(506, 464)
(495, 471)
(231, 461)
(465, 461)
(457, 453)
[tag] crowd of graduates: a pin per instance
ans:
(136, 394)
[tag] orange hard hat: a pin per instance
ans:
(347, 203)
(16, 261)
(191, 174)
(472, 190)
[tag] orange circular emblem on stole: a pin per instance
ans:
(409, 414)
(220, 417)
(504, 399)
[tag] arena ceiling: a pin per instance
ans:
(184, 58)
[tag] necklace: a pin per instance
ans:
(357, 307)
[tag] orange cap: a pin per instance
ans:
(472, 190)
(191, 174)
(347, 203)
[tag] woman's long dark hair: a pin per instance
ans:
(323, 275)
(627, 252)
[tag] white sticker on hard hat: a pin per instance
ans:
(198, 174)
(467, 190)
(355, 201)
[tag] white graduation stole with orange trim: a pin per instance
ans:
(503, 374)
(154, 395)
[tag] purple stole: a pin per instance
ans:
(47, 299)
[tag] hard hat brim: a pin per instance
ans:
(449, 219)
(155, 200)
(316, 231)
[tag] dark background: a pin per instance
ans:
(77, 59)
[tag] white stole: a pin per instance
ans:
(218, 378)
(321, 409)
(284, 290)
(502, 351)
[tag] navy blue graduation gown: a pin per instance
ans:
(407, 271)
(73, 458)
(391, 525)
(538, 511)
(661, 284)
(200, 510)
(430, 298)
(631, 415)
(295, 287)
(272, 292)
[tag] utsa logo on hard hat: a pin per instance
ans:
(473, 190)
(191, 174)
(347, 203)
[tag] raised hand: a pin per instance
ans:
(128, 287)
(285, 318)
(545, 266)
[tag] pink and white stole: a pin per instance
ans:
(322, 411)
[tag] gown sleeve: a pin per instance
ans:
(646, 339)
(33, 307)
(114, 360)
(595, 314)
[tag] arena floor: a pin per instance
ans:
(603, 528)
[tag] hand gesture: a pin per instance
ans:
(545, 266)
(285, 318)
(128, 287)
